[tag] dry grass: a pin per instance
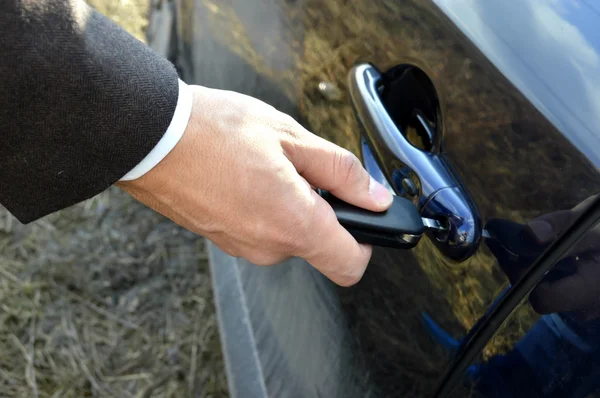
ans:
(131, 15)
(106, 298)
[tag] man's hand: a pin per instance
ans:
(242, 176)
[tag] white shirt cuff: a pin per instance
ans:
(181, 116)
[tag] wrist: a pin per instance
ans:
(175, 165)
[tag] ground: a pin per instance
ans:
(107, 298)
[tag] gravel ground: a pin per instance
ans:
(107, 298)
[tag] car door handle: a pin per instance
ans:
(424, 177)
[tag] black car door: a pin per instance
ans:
(483, 113)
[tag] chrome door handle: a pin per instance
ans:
(424, 177)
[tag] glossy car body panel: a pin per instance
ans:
(519, 123)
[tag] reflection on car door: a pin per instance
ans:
(553, 350)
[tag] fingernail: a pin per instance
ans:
(542, 230)
(379, 193)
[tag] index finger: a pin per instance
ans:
(331, 249)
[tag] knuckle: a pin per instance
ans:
(303, 224)
(319, 228)
(290, 241)
(290, 126)
(298, 239)
(295, 236)
(346, 167)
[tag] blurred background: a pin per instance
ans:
(107, 298)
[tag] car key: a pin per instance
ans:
(401, 227)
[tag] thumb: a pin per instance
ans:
(328, 166)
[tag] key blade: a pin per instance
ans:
(430, 223)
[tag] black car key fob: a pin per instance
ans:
(398, 227)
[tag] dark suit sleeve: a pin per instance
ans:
(81, 103)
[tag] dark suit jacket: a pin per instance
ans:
(81, 103)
